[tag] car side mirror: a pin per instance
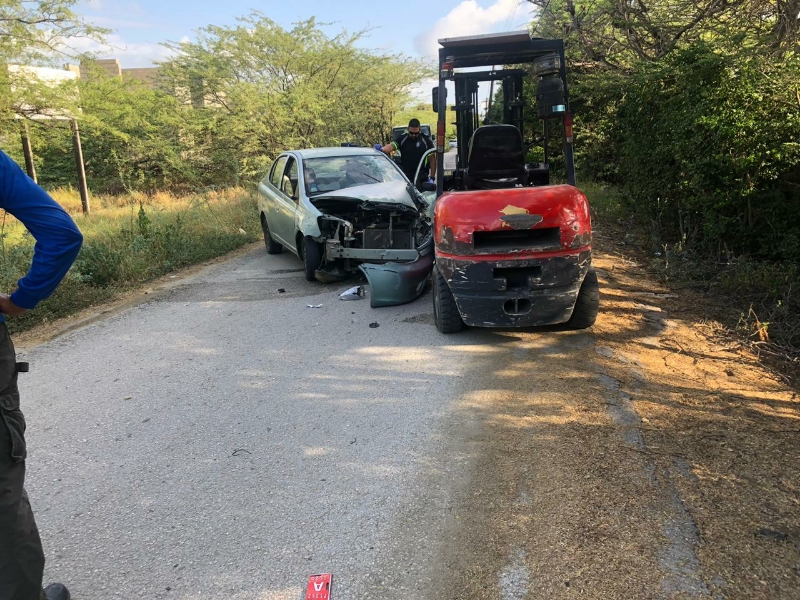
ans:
(426, 186)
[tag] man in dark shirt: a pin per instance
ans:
(412, 146)
(57, 244)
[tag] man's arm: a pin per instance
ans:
(429, 143)
(58, 239)
(388, 148)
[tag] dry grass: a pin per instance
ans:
(131, 239)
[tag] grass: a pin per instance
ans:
(758, 300)
(129, 240)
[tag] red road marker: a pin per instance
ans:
(319, 587)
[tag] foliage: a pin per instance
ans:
(757, 298)
(619, 34)
(131, 239)
(222, 110)
(262, 89)
(36, 31)
(692, 107)
(722, 136)
(131, 137)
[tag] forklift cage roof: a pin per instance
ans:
(490, 50)
(509, 48)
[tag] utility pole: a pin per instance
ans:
(30, 167)
(76, 144)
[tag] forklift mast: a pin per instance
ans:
(466, 106)
(510, 48)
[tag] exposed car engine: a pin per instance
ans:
(372, 225)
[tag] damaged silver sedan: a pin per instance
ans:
(346, 209)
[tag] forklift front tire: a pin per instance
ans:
(445, 312)
(588, 303)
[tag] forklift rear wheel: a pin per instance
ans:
(312, 257)
(273, 247)
(445, 312)
(588, 303)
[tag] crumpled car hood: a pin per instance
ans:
(392, 192)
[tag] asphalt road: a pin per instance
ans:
(225, 441)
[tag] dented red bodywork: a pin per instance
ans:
(529, 244)
(459, 214)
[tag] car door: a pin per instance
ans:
(269, 192)
(286, 204)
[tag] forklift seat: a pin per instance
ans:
(496, 158)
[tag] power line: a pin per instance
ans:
(539, 21)
(512, 12)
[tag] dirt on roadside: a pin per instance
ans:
(640, 459)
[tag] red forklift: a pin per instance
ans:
(511, 249)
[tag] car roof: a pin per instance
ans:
(334, 152)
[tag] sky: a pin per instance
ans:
(410, 27)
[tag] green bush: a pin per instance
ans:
(709, 152)
(127, 246)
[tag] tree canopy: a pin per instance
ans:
(224, 107)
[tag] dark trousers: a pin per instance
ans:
(21, 555)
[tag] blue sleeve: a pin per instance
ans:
(58, 239)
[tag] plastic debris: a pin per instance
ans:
(314, 305)
(281, 291)
(374, 325)
(354, 293)
(319, 587)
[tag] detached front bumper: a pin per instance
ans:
(394, 283)
(513, 292)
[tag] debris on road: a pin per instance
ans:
(281, 291)
(240, 452)
(314, 305)
(354, 293)
(374, 325)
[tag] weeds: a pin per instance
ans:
(129, 240)
(758, 300)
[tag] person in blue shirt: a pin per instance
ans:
(58, 242)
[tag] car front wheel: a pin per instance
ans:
(312, 257)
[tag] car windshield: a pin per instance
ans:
(332, 173)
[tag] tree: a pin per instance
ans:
(617, 34)
(691, 107)
(36, 31)
(262, 89)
